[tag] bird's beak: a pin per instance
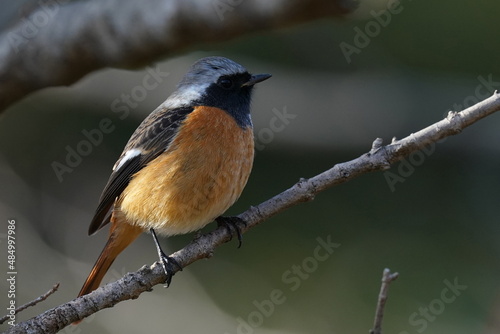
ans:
(256, 78)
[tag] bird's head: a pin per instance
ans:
(217, 82)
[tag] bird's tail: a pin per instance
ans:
(121, 235)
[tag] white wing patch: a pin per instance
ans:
(128, 155)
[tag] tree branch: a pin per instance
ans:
(58, 44)
(379, 158)
(387, 278)
(31, 303)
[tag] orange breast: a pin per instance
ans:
(199, 177)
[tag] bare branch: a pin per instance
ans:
(31, 303)
(62, 41)
(379, 158)
(387, 279)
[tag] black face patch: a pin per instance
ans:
(230, 95)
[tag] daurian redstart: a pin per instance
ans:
(184, 166)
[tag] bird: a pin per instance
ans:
(183, 167)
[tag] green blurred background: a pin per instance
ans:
(436, 228)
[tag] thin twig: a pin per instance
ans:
(387, 279)
(378, 158)
(31, 303)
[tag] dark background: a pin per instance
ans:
(440, 225)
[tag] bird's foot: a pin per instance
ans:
(230, 223)
(170, 265)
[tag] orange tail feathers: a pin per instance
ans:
(121, 235)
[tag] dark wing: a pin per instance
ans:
(150, 139)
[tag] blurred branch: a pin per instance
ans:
(387, 279)
(379, 158)
(62, 41)
(31, 303)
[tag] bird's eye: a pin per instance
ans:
(225, 83)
